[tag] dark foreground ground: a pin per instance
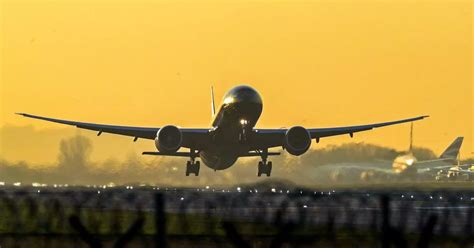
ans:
(251, 216)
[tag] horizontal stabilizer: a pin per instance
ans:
(174, 154)
(254, 154)
(188, 154)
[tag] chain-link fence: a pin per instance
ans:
(150, 217)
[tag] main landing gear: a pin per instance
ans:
(192, 166)
(264, 166)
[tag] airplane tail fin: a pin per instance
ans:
(452, 151)
(213, 106)
(410, 148)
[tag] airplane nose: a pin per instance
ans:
(243, 94)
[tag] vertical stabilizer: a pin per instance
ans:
(213, 106)
(411, 138)
(453, 150)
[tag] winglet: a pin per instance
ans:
(213, 106)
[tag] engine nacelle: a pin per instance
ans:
(168, 139)
(297, 140)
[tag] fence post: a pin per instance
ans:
(160, 221)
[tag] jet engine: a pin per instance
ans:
(168, 139)
(297, 140)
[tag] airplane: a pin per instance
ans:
(232, 134)
(407, 164)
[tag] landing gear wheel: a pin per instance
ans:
(188, 168)
(260, 169)
(264, 168)
(269, 168)
(192, 168)
(197, 166)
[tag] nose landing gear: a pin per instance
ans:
(264, 166)
(192, 166)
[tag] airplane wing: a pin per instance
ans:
(468, 172)
(435, 164)
(379, 167)
(266, 138)
(195, 137)
(198, 138)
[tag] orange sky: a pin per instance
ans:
(317, 64)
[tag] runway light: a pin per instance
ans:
(304, 206)
(431, 197)
(98, 191)
(17, 184)
(207, 187)
(256, 191)
(39, 191)
(273, 190)
(441, 198)
(411, 196)
(403, 196)
(238, 189)
(2, 183)
(182, 198)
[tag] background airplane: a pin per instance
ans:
(408, 165)
(232, 134)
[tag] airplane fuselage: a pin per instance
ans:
(232, 127)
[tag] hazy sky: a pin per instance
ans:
(316, 64)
